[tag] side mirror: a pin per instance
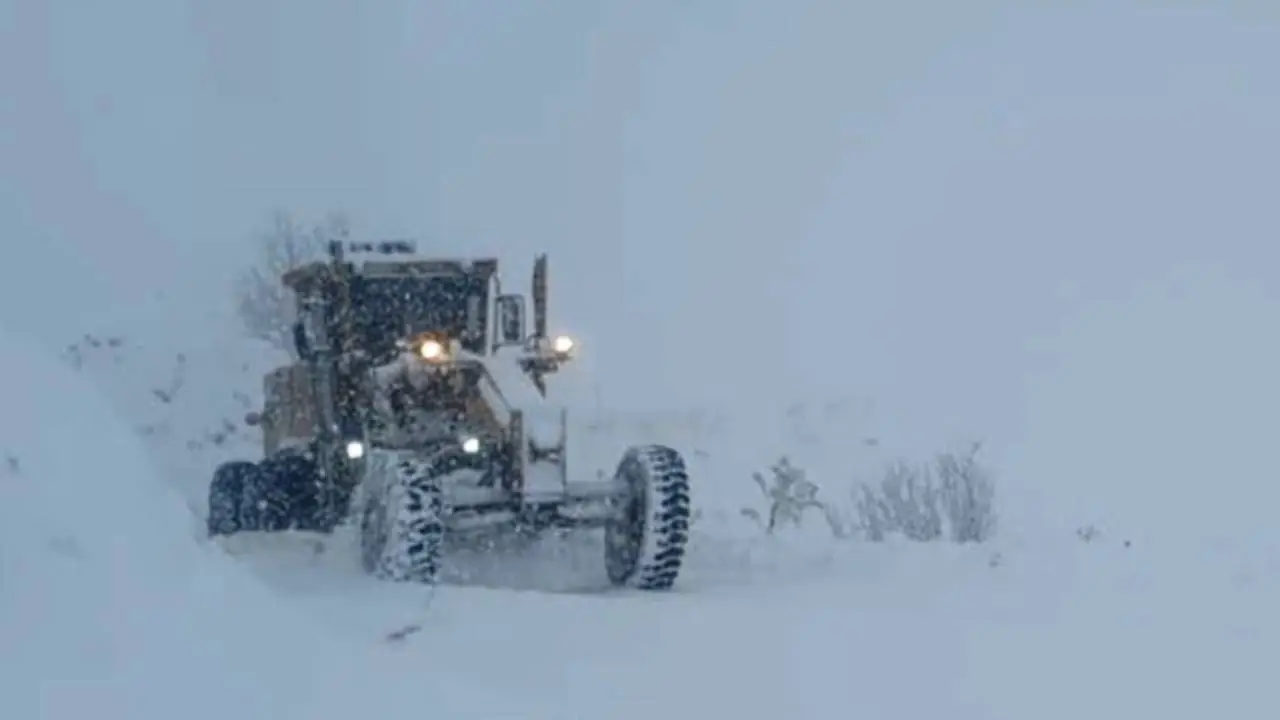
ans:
(511, 320)
(253, 419)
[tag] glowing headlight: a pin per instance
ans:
(471, 445)
(355, 450)
(563, 344)
(431, 350)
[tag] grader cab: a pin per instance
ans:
(417, 407)
(360, 315)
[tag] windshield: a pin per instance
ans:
(392, 309)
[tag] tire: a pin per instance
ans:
(402, 522)
(226, 496)
(279, 496)
(287, 495)
(645, 545)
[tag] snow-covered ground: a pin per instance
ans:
(112, 605)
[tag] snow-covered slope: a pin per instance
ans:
(112, 607)
(109, 607)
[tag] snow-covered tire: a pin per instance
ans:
(288, 495)
(645, 545)
(402, 524)
(269, 498)
(226, 496)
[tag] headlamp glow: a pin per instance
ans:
(431, 349)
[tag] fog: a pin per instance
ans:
(1046, 224)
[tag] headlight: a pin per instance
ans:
(431, 350)
(563, 344)
(355, 450)
(471, 445)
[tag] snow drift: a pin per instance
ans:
(109, 604)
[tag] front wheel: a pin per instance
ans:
(645, 544)
(402, 521)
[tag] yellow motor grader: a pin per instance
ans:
(417, 407)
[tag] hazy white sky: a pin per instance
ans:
(1049, 223)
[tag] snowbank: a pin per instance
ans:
(109, 604)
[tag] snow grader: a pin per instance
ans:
(417, 407)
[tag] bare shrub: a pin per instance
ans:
(954, 497)
(967, 495)
(873, 519)
(911, 498)
(788, 493)
(265, 307)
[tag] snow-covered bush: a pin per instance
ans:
(265, 306)
(788, 493)
(955, 497)
(905, 502)
(967, 492)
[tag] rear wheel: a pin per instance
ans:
(645, 544)
(284, 495)
(226, 496)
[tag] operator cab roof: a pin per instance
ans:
(408, 265)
